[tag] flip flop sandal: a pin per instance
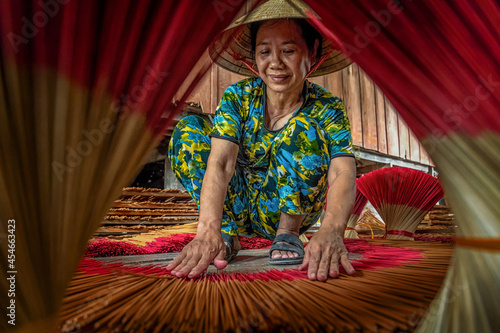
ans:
(230, 251)
(291, 243)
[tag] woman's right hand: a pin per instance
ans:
(196, 256)
(208, 244)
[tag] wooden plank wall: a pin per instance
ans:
(375, 124)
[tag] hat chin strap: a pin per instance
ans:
(245, 62)
(316, 65)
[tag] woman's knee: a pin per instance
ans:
(192, 125)
(188, 151)
(191, 132)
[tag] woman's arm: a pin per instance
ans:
(220, 168)
(208, 245)
(326, 249)
(340, 200)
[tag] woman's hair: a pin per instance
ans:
(309, 33)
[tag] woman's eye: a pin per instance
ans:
(264, 52)
(288, 51)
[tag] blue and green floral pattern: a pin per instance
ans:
(276, 171)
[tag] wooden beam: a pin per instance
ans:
(381, 121)
(352, 102)
(404, 139)
(368, 111)
(391, 118)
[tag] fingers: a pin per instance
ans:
(194, 260)
(346, 264)
(176, 261)
(321, 264)
(200, 267)
(324, 264)
(305, 261)
(219, 261)
(221, 254)
(334, 267)
(187, 265)
(314, 260)
(322, 259)
(193, 267)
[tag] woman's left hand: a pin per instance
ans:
(323, 254)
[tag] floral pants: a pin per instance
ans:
(294, 183)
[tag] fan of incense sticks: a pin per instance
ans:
(437, 62)
(152, 244)
(86, 90)
(392, 289)
(359, 204)
(368, 221)
(402, 197)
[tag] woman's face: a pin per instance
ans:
(282, 57)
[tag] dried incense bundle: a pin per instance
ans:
(367, 219)
(143, 239)
(359, 204)
(152, 206)
(420, 54)
(84, 98)
(402, 197)
(441, 215)
(175, 243)
(135, 300)
(154, 192)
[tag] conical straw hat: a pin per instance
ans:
(234, 43)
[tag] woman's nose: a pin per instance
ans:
(276, 61)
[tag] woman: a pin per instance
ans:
(276, 145)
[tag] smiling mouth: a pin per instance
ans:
(279, 78)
